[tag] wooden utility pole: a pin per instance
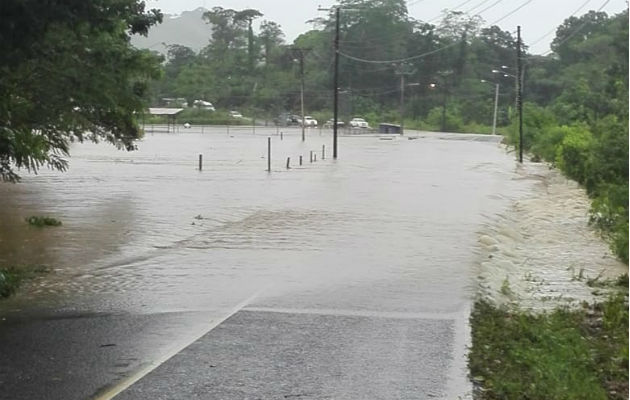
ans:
(336, 84)
(519, 94)
(300, 53)
(402, 69)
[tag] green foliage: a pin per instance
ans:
(450, 121)
(561, 355)
(69, 73)
(12, 277)
(572, 154)
(42, 221)
(10, 281)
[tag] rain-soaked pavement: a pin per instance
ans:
(347, 279)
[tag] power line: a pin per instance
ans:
(449, 9)
(511, 12)
(400, 59)
(476, 6)
(576, 31)
(554, 29)
(489, 7)
(418, 56)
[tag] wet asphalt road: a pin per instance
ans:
(347, 280)
(276, 355)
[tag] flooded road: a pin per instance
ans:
(389, 230)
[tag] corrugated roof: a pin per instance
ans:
(165, 111)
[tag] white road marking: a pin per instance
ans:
(172, 351)
(358, 313)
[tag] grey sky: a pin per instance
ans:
(536, 17)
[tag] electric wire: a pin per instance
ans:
(426, 54)
(554, 29)
(576, 31)
(511, 12)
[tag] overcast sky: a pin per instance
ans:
(536, 17)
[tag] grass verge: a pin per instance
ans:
(42, 221)
(565, 354)
(12, 277)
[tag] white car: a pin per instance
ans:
(236, 114)
(331, 122)
(358, 123)
(309, 121)
(204, 105)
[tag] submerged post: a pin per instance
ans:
(300, 160)
(200, 162)
(311, 160)
(288, 162)
(323, 151)
(268, 154)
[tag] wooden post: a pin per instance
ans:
(300, 160)
(323, 151)
(288, 162)
(268, 154)
(314, 157)
(311, 155)
(200, 162)
(281, 137)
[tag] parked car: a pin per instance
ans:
(309, 121)
(204, 105)
(330, 122)
(235, 114)
(294, 119)
(358, 123)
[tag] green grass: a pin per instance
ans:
(12, 277)
(42, 221)
(581, 354)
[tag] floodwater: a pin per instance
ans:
(155, 234)
(390, 228)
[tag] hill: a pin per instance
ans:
(187, 29)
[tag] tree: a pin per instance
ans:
(248, 16)
(271, 37)
(69, 73)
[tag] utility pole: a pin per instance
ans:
(496, 103)
(336, 84)
(300, 53)
(519, 94)
(402, 69)
(336, 75)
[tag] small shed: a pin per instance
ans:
(171, 116)
(389, 128)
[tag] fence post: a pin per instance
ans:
(200, 162)
(288, 162)
(269, 154)
(323, 151)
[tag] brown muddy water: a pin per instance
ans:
(391, 227)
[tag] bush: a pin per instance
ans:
(42, 221)
(452, 119)
(573, 153)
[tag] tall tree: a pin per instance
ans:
(69, 73)
(248, 17)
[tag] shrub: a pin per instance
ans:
(42, 221)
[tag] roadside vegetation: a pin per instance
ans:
(564, 354)
(12, 277)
